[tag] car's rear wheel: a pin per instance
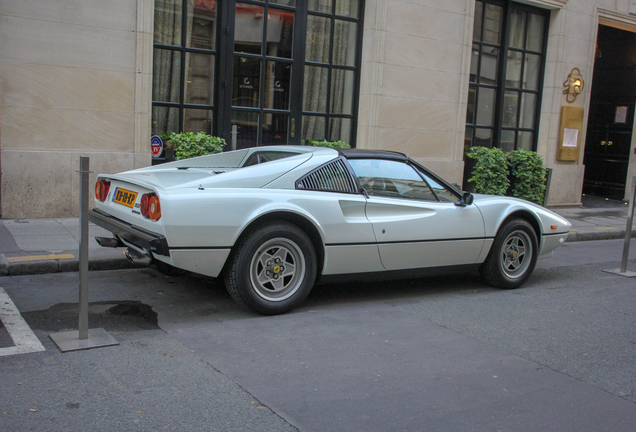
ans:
(512, 257)
(272, 268)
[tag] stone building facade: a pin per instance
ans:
(425, 77)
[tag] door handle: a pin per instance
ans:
(609, 143)
(293, 127)
(603, 142)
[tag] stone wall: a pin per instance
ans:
(414, 83)
(68, 75)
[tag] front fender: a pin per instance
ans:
(496, 210)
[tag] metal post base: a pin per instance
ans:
(618, 271)
(70, 341)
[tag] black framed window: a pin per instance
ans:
(184, 60)
(257, 72)
(263, 63)
(331, 71)
(506, 75)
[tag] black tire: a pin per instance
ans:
(272, 268)
(512, 257)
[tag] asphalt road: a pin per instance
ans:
(417, 355)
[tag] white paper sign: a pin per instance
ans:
(621, 114)
(570, 137)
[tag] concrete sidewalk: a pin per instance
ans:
(36, 246)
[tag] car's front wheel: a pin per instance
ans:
(513, 255)
(272, 268)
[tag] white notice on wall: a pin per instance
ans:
(621, 114)
(570, 137)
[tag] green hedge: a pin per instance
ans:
(330, 144)
(491, 171)
(529, 176)
(519, 173)
(188, 144)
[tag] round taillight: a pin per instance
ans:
(145, 198)
(101, 190)
(105, 189)
(154, 208)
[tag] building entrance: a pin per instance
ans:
(265, 73)
(611, 115)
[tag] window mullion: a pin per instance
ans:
(501, 79)
(224, 66)
(297, 85)
(542, 57)
(262, 79)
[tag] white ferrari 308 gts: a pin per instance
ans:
(272, 221)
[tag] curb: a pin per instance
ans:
(4, 265)
(61, 266)
(615, 234)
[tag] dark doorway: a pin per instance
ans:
(611, 116)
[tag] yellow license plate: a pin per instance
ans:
(125, 197)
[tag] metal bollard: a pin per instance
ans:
(628, 236)
(83, 249)
(628, 229)
(83, 339)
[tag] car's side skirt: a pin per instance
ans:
(365, 257)
(399, 256)
(358, 258)
(398, 274)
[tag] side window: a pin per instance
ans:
(391, 179)
(443, 194)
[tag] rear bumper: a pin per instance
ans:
(148, 240)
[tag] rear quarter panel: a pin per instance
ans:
(217, 217)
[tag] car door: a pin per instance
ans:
(415, 219)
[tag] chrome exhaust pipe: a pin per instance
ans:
(108, 242)
(137, 258)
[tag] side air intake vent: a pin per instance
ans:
(333, 177)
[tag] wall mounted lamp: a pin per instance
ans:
(573, 85)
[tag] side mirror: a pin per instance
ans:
(467, 199)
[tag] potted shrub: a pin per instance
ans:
(519, 173)
(189, 144)
(330, 144)
(528, 176)
(490, 173)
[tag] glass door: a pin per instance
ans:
(264, 68)
(258, 72)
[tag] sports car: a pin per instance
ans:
(273, 221)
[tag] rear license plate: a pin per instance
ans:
(125, 197)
